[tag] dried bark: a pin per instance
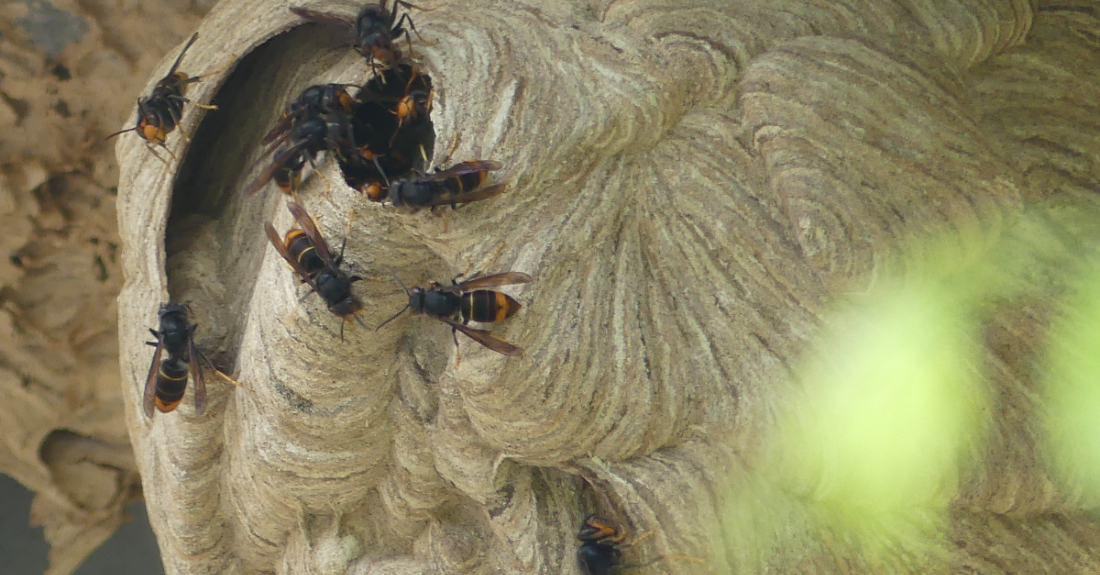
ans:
(690, 185)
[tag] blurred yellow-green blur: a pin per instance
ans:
(889, 410)
(1073, 390)
(893, 396)
(890, 405)
(868, 446)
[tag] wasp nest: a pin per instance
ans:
(689, 183)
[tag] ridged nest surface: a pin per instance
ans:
(689, 184)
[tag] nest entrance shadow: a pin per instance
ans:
(392, 128)
(214, 242)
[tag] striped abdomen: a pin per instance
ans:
(465, 182)
(487, 306)
(303, 250)
(171, 383)
(289, 176)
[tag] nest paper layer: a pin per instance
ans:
(690, 183)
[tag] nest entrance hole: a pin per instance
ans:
(392, 128)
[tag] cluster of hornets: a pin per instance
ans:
(378, 137)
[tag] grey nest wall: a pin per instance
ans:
(690, 184)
